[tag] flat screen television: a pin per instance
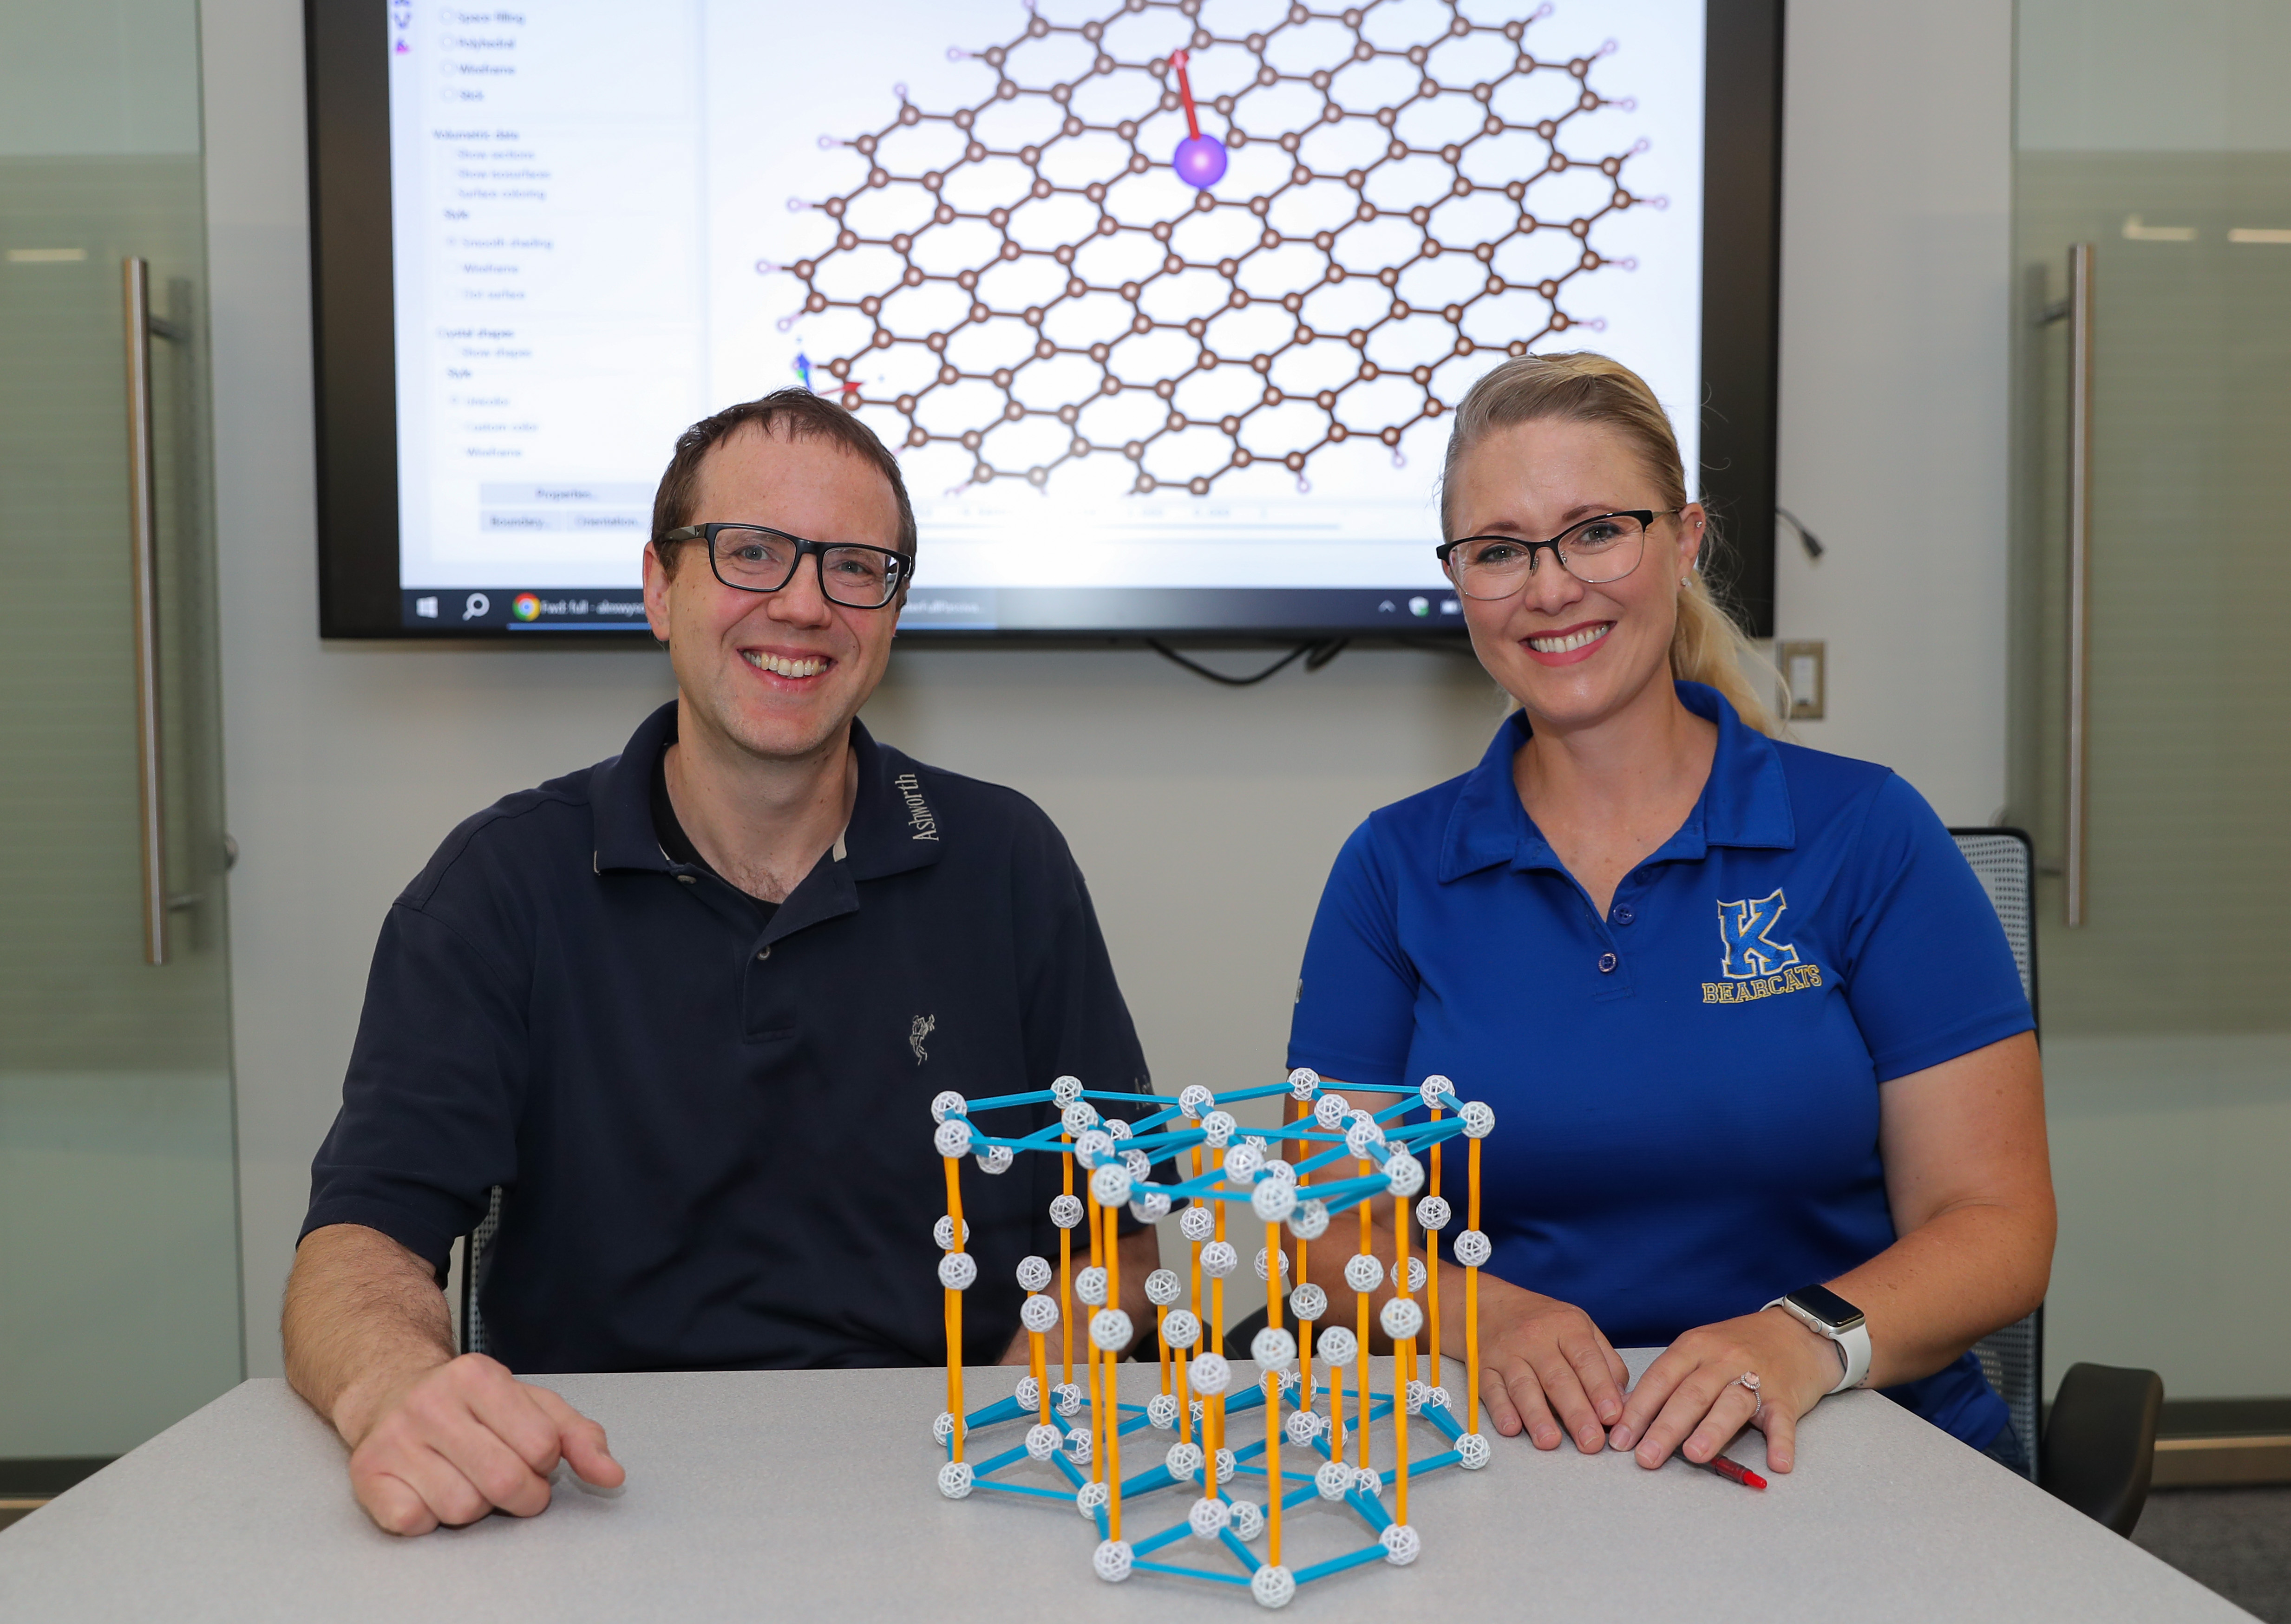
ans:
(1163, 304)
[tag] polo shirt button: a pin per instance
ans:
(763, 955)
(1606, 963)
(1623, 916)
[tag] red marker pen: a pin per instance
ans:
(1732, 1469)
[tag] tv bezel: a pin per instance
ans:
(355, 363)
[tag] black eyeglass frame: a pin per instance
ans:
(1645, 517)
(901, 578)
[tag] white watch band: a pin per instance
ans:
(1852, 1344)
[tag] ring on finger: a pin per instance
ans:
(1748, 1380)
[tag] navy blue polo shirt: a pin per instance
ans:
(713, 1130)
(1686, 1089)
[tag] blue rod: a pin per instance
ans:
(1020, 1487)
(1232, 1542)
(1338, 1565)
(1166, 1567)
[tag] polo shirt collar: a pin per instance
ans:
(1745, 802)
(894, 826)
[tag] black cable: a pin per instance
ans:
(1322, 653)
(1806, 538)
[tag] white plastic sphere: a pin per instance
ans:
(1078, 1118)
(1441, 1398)
(1331, 1110)
(1401, 1318)
(1066, 1090)
(1334, 1480)
(957, 1271)
(1416, 1274)
(1273, 1348)
(1208, 1517)
(1219, 1259)
(955, 1478)
(1275, 1167)
(1194, 1102)
(943, 1233)
(1184, 1461)
(952, 1137)
(1434, 1213)
(1043, 1441)
(1308, 1302)
(1137, 1164)
(1112, 1559)
(1265, 1265)
(1210, 1375)
(1242, 1163)
(1201, 1412)
(1161, 1411)
(1150, 1207)
(1065, 1211)
(1109, 1185)
(1479, 1120)
(1403, 1174)
(1182, 1328)
(1273, 1586)
(1363, 1270)
(1197, 1223)
(1248, 1516)
(1111, 1329)
(1028, 1393)
(1337, 1347)
(1472, 1249)
(1091, 1144)
(1217, 1127)
(1274, 1199)
(1033, 1273)
(1089, 1286)
(1310, 1220)
(1259, 1143)
(1369, 1481)
(1435, 1089)
(1301, 1426)
(1090, 1498)
(1039, 1313)
(943, 1428)
(946, 1104)
(1473, 1447)
(1066, 1398)
(1117, 1127)
(1079, 1445)
(995, 1160)
(1418, 1394)
(1401, 1545)
(1163, 1287)
(1304, 1082)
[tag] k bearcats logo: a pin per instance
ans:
(922, 1027)
(1746, 932)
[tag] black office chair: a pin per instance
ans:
(476, 1245)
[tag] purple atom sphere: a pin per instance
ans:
(1201, 161)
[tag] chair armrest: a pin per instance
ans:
(2099, 1442)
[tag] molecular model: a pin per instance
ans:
(1054, 274)
(1348, 1159)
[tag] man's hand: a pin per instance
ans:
(454, 1442)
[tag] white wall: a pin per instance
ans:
(1205, 818)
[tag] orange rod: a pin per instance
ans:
(1432, 1269)
(1065, 1266)
(1471, 1296)
(1113, 1375)
(1367, 1246)
(1274, 1487)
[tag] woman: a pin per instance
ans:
(1748, 1025)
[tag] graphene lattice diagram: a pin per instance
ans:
(1026, 282)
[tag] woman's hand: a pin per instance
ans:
(1690, 1399)
(1544, 1357)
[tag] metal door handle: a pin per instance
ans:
(143, 538)
(2079, 685)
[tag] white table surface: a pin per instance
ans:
(811, 1494)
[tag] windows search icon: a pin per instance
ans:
(525, 606)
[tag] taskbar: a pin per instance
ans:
(966, 611)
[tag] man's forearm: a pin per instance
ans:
(362, 1315)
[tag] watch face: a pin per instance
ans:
(1825, 1305)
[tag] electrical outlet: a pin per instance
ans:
(1804, 667)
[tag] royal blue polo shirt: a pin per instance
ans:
(712, 1129)
(1685, 1089)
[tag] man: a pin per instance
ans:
(687, 1009)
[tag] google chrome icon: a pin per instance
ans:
(525, 606)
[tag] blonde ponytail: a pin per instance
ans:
(1708, 644)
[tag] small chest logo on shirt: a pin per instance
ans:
(1755, 965)
(920, 816)
(921, 1028)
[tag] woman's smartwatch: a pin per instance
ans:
(1824, 1312)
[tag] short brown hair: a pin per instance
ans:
(801, 415)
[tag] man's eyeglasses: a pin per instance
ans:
(753, 559)
(1594, 551)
